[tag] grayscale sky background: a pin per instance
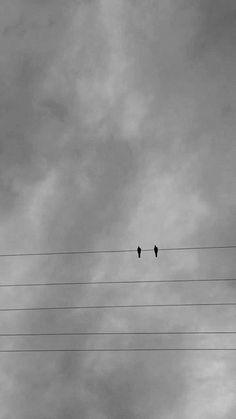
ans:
(117, 129)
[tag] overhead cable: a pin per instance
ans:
(163, 281)
(224, 332)
(82, 252)
(118, 306)
(116, 350)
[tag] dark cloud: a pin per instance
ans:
(217, 26)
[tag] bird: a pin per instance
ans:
(156, 250)
(139, 251)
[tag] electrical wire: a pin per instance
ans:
(163, 281)
(116, 350)
(118, 306)
(119, 333)
(81, 252)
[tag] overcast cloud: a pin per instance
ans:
(117, 129)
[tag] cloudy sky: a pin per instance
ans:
(117, 129)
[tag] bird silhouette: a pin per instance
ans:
(139, 251)
(156, 250)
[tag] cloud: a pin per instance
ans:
(117, 129)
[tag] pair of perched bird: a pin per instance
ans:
(139, 250)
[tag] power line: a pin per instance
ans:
(81, 252)
(163, 281)
(119, 333)
(116, 350)
(118, 306)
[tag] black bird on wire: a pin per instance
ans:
(156, 250)
(139, 251)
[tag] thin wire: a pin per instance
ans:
(118, 333)
(116, 350)
(80, 252)
(117, 306)
(49, 284)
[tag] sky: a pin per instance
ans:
(117, 129)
